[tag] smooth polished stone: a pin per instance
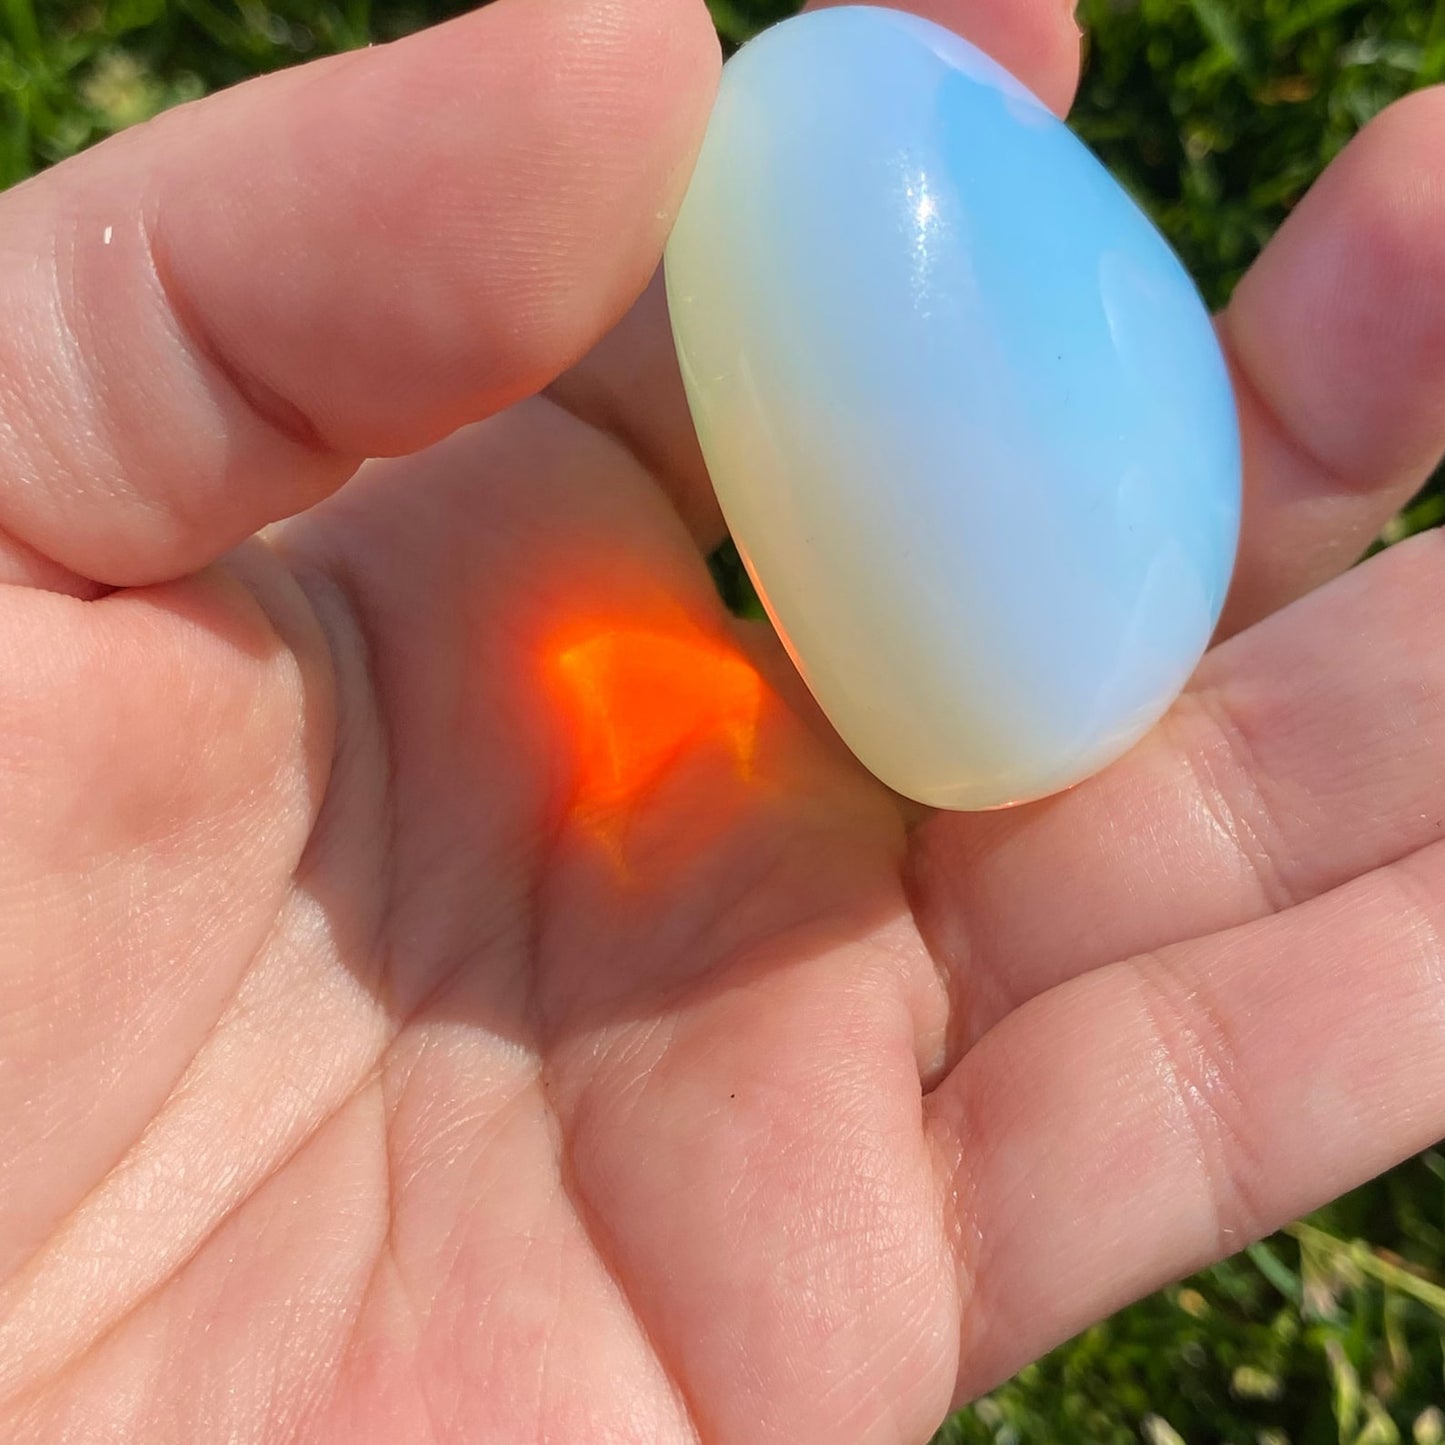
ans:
(964, 410)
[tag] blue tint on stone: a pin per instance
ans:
(964, 410)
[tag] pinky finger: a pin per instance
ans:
(1144, 1120)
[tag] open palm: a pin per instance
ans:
(452, 985)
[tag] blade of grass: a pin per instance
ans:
(23, 27)
(1359, 1254)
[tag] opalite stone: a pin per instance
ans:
(963, 408)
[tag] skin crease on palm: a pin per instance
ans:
(401, 1038)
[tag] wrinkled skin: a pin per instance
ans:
(370, 1070)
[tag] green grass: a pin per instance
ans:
(1217, 114)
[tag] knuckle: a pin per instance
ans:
(1199, 1074)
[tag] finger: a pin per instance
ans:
(209, 321)
(1139, 1122)
(630, 384)
(22, 566)
(1308, 751)
(1337, 337)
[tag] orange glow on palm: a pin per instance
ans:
(639, 700)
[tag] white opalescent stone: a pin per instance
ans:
(964, 410)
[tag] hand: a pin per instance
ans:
(406, 1034)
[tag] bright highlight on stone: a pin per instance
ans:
(963, 408)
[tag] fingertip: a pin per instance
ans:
(1341, 324)
(1336, 338)
(651, 68)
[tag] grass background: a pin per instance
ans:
(1217, 114)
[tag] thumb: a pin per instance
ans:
(212, 319)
